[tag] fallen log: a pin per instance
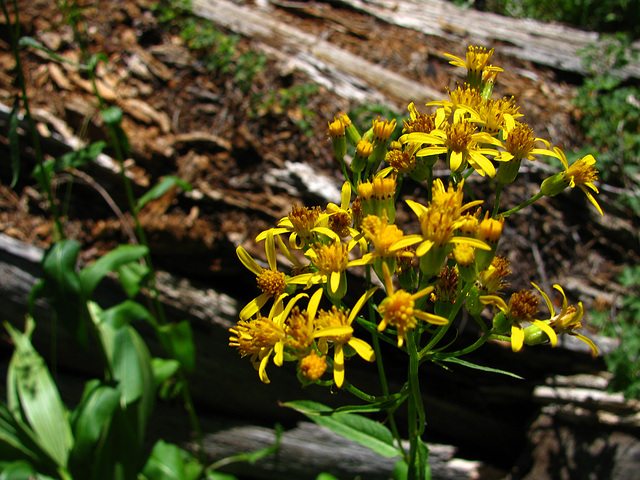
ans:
(348, 75)
(548, 44)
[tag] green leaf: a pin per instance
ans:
(15, 442)
(479, 367)
(112, 115)
(93, 417)
(326, 476)
(75, 159)
(39, 398)
(220, 476)
(62, 285)
(164, 369)
(14, 141)
(18, 470)
(32, 42)
(169, 462)
(177, 339)
(362, 430)
(110, 262)
(132, 277)
(125, 313)
(161, 188)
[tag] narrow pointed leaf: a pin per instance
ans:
(121, 255)
(362, 430)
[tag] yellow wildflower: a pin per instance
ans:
(461, 143)
(398, 309)
(263, 336)
(580, 174)
(568, 319)
(272, 282)
(303, 226)
(476, 62)
(523, 305)
(335, 326)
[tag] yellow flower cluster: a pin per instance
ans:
(447, 261)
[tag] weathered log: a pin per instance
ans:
(549, 44)
(309, 449)
(342, 72)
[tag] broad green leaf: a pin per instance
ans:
(164, 369)
(39, 399)
(133, 277)
(161, 188)
(92, 418)
(133, 372)
(125, 313)
(362, 430)
(479, 367)
(62, 285)
(14, 142)
(177, 339)
(169, 462)
(110, 262)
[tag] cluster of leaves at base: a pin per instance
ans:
(596, 15)
(624, 324)
(610, 115)
(217, 51)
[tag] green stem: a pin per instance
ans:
(45, 181)
(381, 372)
(533, 199)
(496, 204)
(443, 330)
(416, 408)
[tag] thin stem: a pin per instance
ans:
(496, 204)
(533, 199)
(416, 412)
(441, 332)
(381, 372)
(45, 181)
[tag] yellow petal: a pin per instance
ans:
(262, 370)
(455, 160)
(333, 331)
(270, 249)
(360, 303)
(431, 318)
(494, 300)
(474, 242)
(338, 366)
(517, 337)
(363, 349)
(594, 349)
(548, 330)
(253, 306)
(424, 247)
(248, 261)
(335, 281)
(278, 358)
(547, 300)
